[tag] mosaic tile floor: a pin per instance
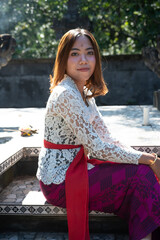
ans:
(18, 189)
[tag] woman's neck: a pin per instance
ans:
(80, 88)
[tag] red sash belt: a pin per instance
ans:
(77, 192)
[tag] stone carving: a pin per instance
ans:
(7, 48)
(151, 57)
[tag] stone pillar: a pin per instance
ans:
(156, 99)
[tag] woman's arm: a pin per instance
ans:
(103, 132)
(156, 168)
(148, 159)
(69, 106)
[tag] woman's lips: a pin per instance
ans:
(83, 69)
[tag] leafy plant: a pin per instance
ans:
(120, 26)
(30, 22)
(123, 26)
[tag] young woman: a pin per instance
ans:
(81, 167)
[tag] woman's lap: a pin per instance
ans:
(130, 191)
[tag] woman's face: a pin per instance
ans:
(81, 60)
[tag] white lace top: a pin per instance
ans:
(69, 121)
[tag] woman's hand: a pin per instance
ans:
(85, 152)
(148, 159)
(156, 168)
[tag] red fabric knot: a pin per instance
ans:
(77, 192)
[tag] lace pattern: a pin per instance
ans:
(69, 121)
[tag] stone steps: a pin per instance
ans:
(23, 206)
(22, 201)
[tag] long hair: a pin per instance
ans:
(95, 83)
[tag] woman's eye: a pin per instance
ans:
(91, 53)
(74, 54)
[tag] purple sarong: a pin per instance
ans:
(132, 192)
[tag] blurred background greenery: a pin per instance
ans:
(120, 26)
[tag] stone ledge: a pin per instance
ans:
(23, 197)
(34, 151)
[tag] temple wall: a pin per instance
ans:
(25, 82)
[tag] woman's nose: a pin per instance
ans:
(83, 59)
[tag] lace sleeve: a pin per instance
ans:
(102, 130)
(74, 113)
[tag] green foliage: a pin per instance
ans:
(30, 22)
(123, 26)
(120, 26)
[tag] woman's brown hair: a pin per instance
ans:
(95, 83)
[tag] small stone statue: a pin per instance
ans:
(7, 48)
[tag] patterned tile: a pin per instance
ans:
(148, 149)
(31, 151)
(11, 161)
(41, 210)
(24, 152)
